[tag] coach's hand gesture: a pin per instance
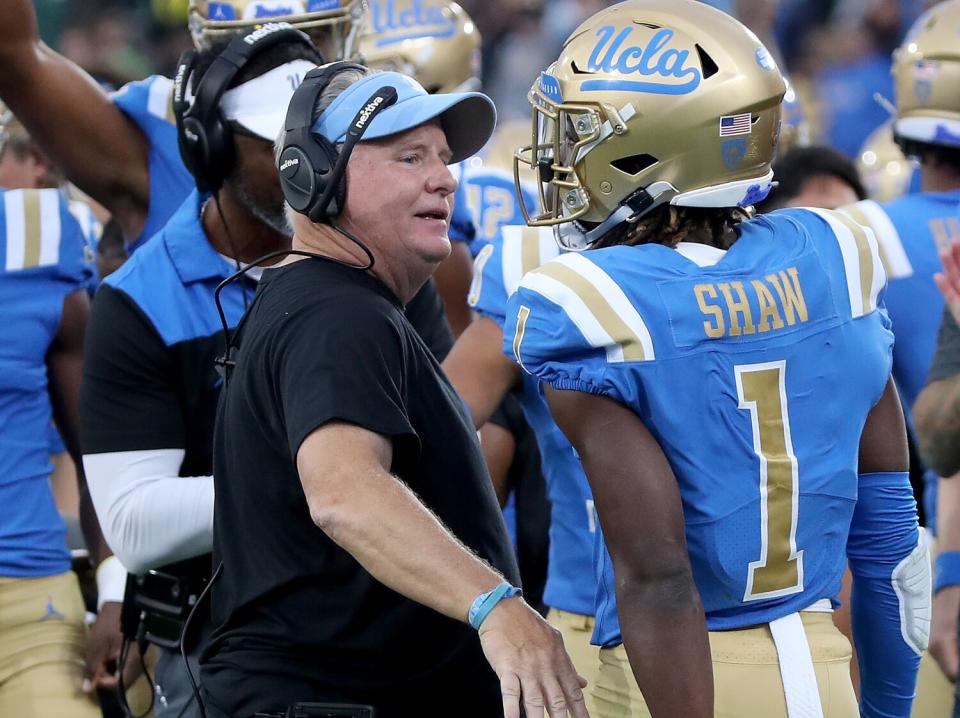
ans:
(527, 655)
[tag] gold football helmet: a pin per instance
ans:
(885, 171)
(340, 18)
(926, 74)
(433, 41)
(651, 101)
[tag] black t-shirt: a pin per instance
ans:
(149, 376)
(297, 618)
(946, 361)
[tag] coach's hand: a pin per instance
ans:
(948, 281)
(943, 630)
(528, 657)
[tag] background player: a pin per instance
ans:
(911, 230)
(46, 267)
(706, 349)
(121, 149)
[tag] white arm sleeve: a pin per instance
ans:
(149, 515)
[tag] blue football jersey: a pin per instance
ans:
(44, 259)
(492, 196)
(755, 370)
(149, 103)
(463, 226)
(498, 270)
(910, 232)
(91, 228)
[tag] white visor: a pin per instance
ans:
(260, 105)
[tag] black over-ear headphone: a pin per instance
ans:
(205, 137)
(312, 169)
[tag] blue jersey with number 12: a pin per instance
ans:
(754, 369)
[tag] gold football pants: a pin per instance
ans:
(746, 675)
(42, 639)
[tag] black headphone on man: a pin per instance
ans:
(312, 169)
(205, 136)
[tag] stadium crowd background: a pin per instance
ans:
(836, 52)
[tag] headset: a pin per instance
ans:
(204, 135)
(312, 169)
(312, 175)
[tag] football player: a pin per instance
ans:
(121, 149)
(911, 230)
(43, 277)
(489, 185)
(725, 382)
(23, 165)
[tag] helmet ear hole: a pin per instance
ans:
(707, 65)
(634, 164)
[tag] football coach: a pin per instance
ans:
(364, 558)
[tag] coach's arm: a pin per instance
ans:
(360, 505)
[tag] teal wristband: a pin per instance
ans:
(486, 602)
(946, 571)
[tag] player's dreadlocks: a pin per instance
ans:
(669, 225)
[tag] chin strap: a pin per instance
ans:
(574, 237)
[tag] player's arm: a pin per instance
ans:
(638, 501)
(65, 370)
(890, 564)
(479, 370)
(73, 119)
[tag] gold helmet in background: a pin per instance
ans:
(926, 74)
(433, 41)
(651, 101)
(499, 151)
(885, 171)
(340, 19)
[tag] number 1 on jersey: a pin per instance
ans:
(778, 571)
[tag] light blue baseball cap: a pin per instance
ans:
(467, 118)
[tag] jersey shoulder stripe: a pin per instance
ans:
(525, 249)
(593, 302)
(870, 214)
(865, 277)
(32, 226)
(501, 264)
